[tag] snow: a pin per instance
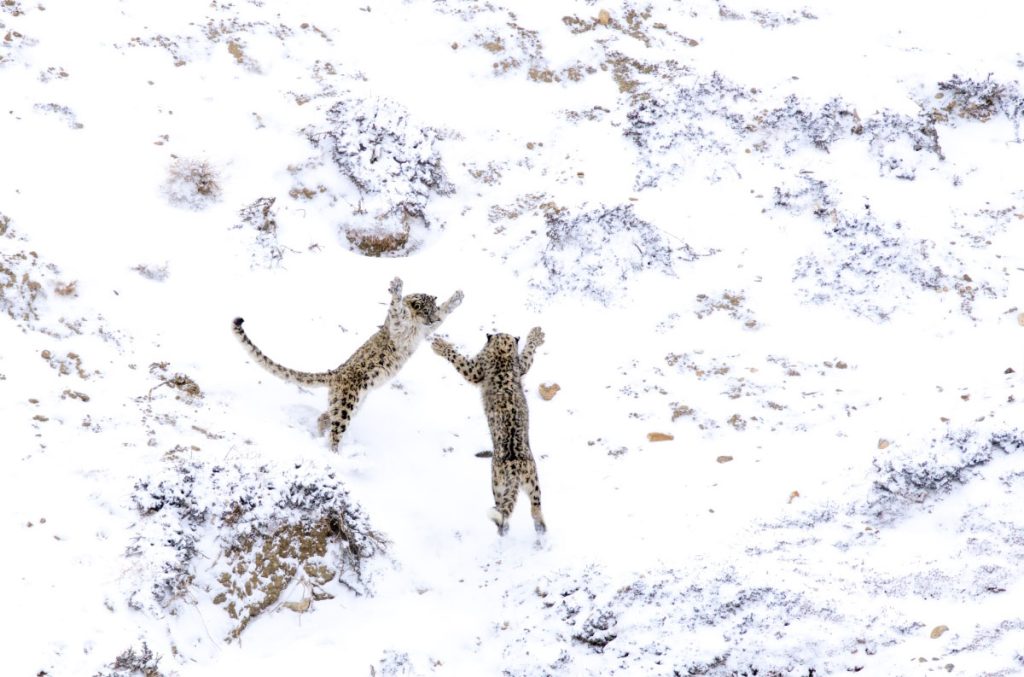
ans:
(787, 236)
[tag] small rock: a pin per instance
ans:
(883, 444)
(1010, 370)
(659, 437)
(548, 391)
(939, 631)
(724, 459)
(793, 495)
(604, 17)
(1020, 319)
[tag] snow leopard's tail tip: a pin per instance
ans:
(495, 516)
(237, 322)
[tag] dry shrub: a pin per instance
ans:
(191, 183)
(244, 535)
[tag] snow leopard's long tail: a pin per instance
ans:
(303, 377)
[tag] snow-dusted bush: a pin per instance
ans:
(970, 99)
(596, 252)
(260, 531)
(677, 118)
(913, 475)
(193, 184)
(711, 622)
(20, 286)
(800, 122)
(260, 217)
(809, 195)
(25, 282)
(900, 142)
(393, 162)
(872, 267)
(132, 663)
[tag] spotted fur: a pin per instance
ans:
(498, 370)
(410, 319)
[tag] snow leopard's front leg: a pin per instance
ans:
(534, 340)
(397, 312)
(448, 306)
(395, 289)
(471, 369)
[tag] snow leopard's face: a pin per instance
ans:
(423, 308)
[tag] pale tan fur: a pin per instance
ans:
(498, 370)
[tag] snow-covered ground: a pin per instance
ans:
(775, 248)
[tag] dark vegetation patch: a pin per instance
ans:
(260, 218)
(396, 168)
(596, 252)
(917, 475)
(134, 662)
(243, 536)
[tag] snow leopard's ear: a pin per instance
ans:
(489, 337)
(517, 340)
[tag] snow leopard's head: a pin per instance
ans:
(423, 308)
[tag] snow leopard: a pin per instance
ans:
(498, 370)
(410, 319)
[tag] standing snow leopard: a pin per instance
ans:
(410, 319)
(498, 370)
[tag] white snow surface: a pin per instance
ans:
(788, 235)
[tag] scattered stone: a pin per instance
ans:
(883, 443)
(659, 437)
(1020, 319)
(548, 391)
(75, 395)
(793, 495)
(604, 17)
(724, 459)
(939, 631)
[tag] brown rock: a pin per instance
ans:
(548, 391)
(883, 443)
(724, 459)
(939, 631)
(603, 17)
(659, 437)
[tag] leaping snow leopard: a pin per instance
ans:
(410, 319)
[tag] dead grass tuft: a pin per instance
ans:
(192, 183)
